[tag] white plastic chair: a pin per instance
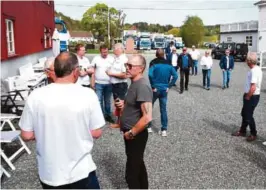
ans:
(9, 137)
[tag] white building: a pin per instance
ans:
(242, 32)
(262, 32)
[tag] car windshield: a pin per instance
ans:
(159, 40)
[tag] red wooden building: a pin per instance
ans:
(26, 31)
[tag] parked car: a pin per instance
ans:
(237, 50)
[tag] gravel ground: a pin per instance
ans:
(199, 151)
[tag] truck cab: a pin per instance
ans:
(158, 42)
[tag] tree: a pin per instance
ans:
(192, 31)
(95, 19)
(174, 31)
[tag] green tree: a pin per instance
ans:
(192, 31)
(95, 19)
(174, 31)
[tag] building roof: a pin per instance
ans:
(260, 2)
(81, 34)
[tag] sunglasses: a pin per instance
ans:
(130, 66)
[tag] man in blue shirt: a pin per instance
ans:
(184, 63)
(160, 75)
(227, 65)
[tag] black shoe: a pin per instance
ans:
(223, 87)
(109, 119)
(186, 89)
(227, 86)
(207, 88)
(181, 92)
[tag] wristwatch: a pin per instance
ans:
(131, 134)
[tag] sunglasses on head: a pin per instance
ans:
(130, 66)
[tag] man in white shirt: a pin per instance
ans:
(86, 69)
(117, 72)
(251, 98)
(195, 54)
(206, 64)
(63, 118)
(102, 63)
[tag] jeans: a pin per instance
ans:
(226, 78)
(104, 93)
(136, 173)
(162, 95)
(184, 73)
(195, 67)
(206, 75)
(91, 182)
(247, 114)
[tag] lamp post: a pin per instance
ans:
(108, 20)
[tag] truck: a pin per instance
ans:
(158, 42)
(61, 36)
(144, 41)
(130, 34)
(168, 39)
(179, 42)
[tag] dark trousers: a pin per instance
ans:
(136, 173)
(90, 182)
(184, 73)
(120, 90)
(247, 114)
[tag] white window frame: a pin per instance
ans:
(10, 49)
(227, 39)
(249, 40)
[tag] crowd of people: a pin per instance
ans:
(66, 115)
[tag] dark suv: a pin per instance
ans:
(237, 50)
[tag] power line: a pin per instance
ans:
(160, 9)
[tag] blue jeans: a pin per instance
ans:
(226, 78)
(104, 93)
(90, 182)
(195, 67)
(162, 95)
(206, 75)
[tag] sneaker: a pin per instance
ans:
(109, 119)
(207, 88)
(150, 130)
(164, 133)
(223, 87)
(181, 92)
(251, 138)
(239, 134)
(264, 143)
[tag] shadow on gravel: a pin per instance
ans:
(201, 86)
(253, 156)
(114, 171)
(221, 126)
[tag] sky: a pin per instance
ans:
(172, 12)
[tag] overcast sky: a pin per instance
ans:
(210, 11)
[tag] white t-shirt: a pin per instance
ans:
(194, 54)
(62, 116)
(227, 62)
(101, 66)
(84, 63)
(174, 60)
(117, 67)
(206, 62)
(254, 76)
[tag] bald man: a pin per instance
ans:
(136, 114)
(63, 118)
(251, 98)
(162, 77)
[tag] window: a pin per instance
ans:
(249, 40)
(229, 39)
(47, 39)
(10, 37)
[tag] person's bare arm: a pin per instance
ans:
(97, 133)
(27, 135)
(93, 81)
(117, 75)
(146, 109)
(251, 91)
